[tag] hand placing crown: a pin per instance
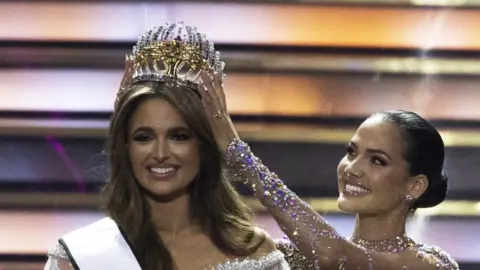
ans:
(173, 53)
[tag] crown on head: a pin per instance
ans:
(174, 53)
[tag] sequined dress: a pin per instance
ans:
(102, 246)
(311, 233)
(272, 261)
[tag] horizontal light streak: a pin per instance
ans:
(256, 93)
(287, 24)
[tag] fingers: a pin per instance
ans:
(127, 75)
(128, 62)
(206, 100)
(209, 87)
(218, 81)
(212, 92)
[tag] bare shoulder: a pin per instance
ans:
(268, 246)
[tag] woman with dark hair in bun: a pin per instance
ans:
(393, 165)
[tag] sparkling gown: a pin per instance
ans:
(273, 261)
(309, 230)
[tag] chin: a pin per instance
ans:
(164, 191)
(352, 205)
(347, 207)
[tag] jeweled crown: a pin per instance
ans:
(176, 53)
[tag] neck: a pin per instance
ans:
(381, 227)
(172, 217)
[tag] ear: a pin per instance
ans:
(417, 185)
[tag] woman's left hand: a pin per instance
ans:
(213, 98)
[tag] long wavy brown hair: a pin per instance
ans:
(215, 204)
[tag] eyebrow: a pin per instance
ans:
(172, 129)
(142, 128)
(372, 150)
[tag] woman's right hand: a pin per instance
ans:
(215, 104)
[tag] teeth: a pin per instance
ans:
(357, 189)
(162, 170)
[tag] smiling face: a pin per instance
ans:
(164, 153)
(373, 176)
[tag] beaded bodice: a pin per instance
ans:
(272, 261)
(405, 243)
(392, 245)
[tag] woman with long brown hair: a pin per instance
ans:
(167, 202)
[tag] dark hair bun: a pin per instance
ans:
(424, 152)
(435, 193)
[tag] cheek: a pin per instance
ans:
(188, 154)
(137, 156)
(138, 153)
(386, 181)
(341, 166)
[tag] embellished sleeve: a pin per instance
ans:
(321, 244)
(438, 256)
(295, 259)
(58, 259)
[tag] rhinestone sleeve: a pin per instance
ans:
(295, 259)
(307, 229)
(58, 259)
(443, 259)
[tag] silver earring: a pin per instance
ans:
(409, 198)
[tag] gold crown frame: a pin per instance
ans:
(174, 53)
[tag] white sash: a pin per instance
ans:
(100, 245)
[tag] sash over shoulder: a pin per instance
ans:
(100, 245)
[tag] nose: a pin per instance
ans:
(354, 168)
(161, 151)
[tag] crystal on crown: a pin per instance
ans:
(174, 52)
